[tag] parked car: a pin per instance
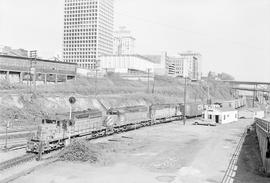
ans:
(206, 122)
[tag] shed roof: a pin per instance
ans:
(224, 109)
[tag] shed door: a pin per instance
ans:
(216, 118)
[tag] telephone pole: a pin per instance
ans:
(148, 86)
(33, 56)
(185, 93)
(153, 89)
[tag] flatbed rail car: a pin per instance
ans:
(56, 132)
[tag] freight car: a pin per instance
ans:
(57, 131)
(234, 104)
(192, 109)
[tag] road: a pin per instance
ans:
(165, 153)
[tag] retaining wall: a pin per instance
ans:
(263, 133)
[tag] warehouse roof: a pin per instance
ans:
(135, 55)
(38, 59)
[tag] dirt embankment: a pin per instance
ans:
(19, 104)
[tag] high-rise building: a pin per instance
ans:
(124, 42)
(192, 64)
(88, 31)
(187, 64)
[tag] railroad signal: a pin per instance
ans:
(72, 100)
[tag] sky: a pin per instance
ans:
(233, 36)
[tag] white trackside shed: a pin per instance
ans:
(221, 115)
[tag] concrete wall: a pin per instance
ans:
(123, 63)
(263, 133)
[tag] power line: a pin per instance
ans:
(181, 29)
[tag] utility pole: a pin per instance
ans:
(153, 89)
(148, 86)
(96, 80)
(254, 96)
(185, 93)
(33, 56)
(6, 138)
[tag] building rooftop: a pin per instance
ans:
(222, 109)
(38, 59)
(134, 55)
(154, 58)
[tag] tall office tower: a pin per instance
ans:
(88, 31)
(192, 62)
(123, 43)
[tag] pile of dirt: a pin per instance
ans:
(83, 151)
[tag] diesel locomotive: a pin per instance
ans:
(57, 131)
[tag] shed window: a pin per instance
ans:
(224, 117)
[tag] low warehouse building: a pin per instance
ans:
(126, 64)
(221, 115)
(23, 69)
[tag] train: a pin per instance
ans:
(58, 130)
(235, 104)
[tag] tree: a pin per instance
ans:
(225, 76)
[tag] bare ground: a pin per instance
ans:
(165, 153)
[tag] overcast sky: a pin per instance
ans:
(232, 35)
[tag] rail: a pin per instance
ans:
(229, 175)
(15, 161)
(263, 124)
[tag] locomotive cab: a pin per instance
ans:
(51, 134)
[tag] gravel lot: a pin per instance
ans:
(165, 153)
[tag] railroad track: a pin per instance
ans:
(13, 144)
(229, 175)
(16, 161)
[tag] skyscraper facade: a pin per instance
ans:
(192, 64)
(124, 42)
(88, 31)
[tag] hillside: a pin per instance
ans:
(112, 91)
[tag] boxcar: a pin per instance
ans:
(162, 111)
(192, 109)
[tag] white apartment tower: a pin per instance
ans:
(124, 42)
(192, 64)
(88, 31)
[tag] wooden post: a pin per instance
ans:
(148, 85)
(45, 78)
(184, 110)
(56, 78)
(7, 76)
(40, 149)
(21, 77)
